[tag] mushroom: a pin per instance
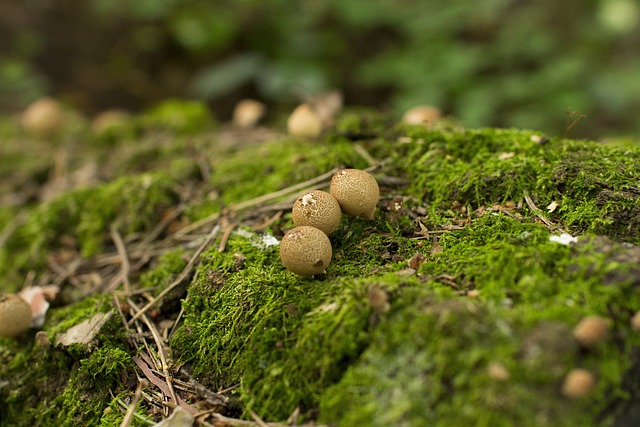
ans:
(591, 330)
(109, 120)
(43, 117)
(422, 115)
(304, 122)
(15, 315)
(357, 192)
(635, 321)
(318, 209)
(305, 250)
(247, 113)
(578, 383)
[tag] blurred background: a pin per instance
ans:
(529, 64)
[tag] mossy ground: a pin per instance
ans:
(385, 337)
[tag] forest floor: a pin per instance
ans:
(460, 303)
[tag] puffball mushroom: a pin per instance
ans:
(591, 330)
(15, 315)
(304, 122)
(578, 383)
(356, 191)
(247, 113)
(305, 250)
(422, 115)
(319, 209)
(108, 120)
(43, 117)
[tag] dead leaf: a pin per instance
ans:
(84, 332)
(552, 206)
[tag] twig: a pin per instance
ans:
(225, 236)
(366, 155)
(538, 213)
(256, 201)
(159, 383)
(131, 410)
(159, 345)
(162, 225)
(257, 419)
(183, 275)
(122, 252)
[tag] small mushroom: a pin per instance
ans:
(422, 115)
(318, 209)
(304, 122)
(109, 120)
(578, 383)
(635, 321)
(15, 315)
(305, 251)
(591, 330)
(247, 113)
(43, 117)
(356, 191)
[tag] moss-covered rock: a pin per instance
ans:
(453, 305)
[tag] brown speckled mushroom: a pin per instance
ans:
(357, 192)
(305, 251)
(319, 209)
(15, 315)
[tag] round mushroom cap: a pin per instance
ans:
(248, 112)
(356, 191)
(43, 117)
(305, 251)
(319, 209)
(304, 122)
(15, 315)
(591, 330)
(108, 120)
(578, 383)
(422, 115)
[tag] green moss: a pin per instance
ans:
(321, 344)
(427, 364)
(256, 170)
(82, 218)
(178, 117)
(168, 266)
(593, 184)
(62, 386)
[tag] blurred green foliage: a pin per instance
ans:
(529, 64)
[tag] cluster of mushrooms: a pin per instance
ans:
(306, 249)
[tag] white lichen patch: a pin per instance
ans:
(260, 241)
(563, 239)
